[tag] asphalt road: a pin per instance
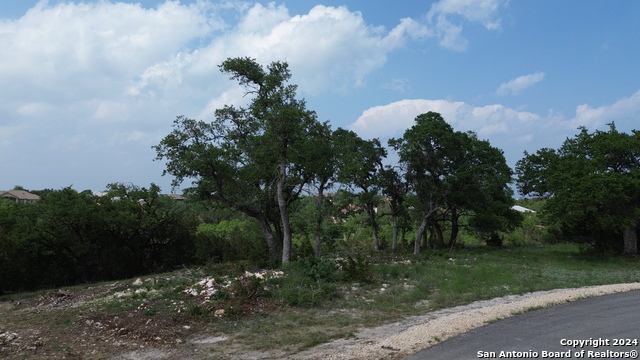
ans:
(600, 322)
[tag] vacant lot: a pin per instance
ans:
(232, 311)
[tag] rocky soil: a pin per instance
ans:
(57, 325)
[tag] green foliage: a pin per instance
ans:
(495, 240)
(359, 164)
(592, 187)
(246, 287)
(453, 174)
(356, 268)
(254, 160)
(69, 237)
(529, 231)
(318, 269)
(230, 240)
(307, 282)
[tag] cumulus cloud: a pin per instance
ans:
(520, 83)
(593, 117)
(328, 48)
(73, 54)
(392, 119)
(73, 50)
(106, 75)
(443, 13)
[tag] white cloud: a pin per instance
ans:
(72, 50)
(478, 11)
(391, 120)
(108, 61)
(232, 96)
(328, 48)
(475, 10)
(90, 76)
(590, 117)
(520, 83)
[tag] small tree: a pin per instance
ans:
(395, 187)
(359, 167)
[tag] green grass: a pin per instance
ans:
(331, 307)
(474, 273)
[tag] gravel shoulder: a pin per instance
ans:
(397, 340)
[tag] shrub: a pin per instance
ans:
(307, 282)
(356, 269)
(495, 240)
(230, 240)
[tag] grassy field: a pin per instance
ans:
(257, 313)
(408, 285)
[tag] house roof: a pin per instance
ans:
(19, 195)
(522, 209)
(176, 197)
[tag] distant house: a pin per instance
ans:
(176, 197)
(19, 196)
(522, 209)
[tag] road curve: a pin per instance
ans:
(599, 323)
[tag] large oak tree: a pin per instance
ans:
(592, 183)
(254, 159)
(454, 173)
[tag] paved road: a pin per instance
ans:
(538, 334)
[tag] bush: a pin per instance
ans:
(307, 282)
(495, 240)
(230, 240)
(356, 269)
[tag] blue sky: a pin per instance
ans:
(88, 87)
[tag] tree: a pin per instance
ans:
(592, 183)
(359, 164)
(155, 231)
(323, 169)
(395, 187)
(479, 189)
(217, 156)
(452, 173)
(427, 149)
(251, 159)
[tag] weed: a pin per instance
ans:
(150, 312)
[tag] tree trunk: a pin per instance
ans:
(268, 235)
(419, 234)
(374, 225)
(394, 241)
(438, 242)
(319, 218)
(630, 240)
(284, 213)
(376, 240)
(455, 227)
